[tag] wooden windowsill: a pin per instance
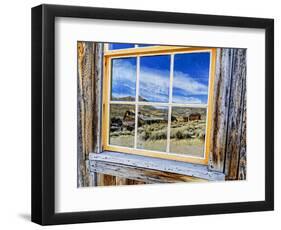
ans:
(101, 163)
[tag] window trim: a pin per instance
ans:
(194, 171)
(150, 51)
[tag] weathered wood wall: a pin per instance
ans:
(89, 61)
(228, 145)
(228, 148)
(145, 175)
(105, 180)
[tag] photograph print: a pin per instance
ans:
(151, 114)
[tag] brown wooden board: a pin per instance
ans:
(139, 174)
(89, 61)
(235, 114)
(220, 109)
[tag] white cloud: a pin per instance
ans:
(191, 100)
(124, 70)
(189, 84)
(154, 83)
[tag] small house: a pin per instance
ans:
(194, 117)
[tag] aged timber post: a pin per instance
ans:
(220, 109)
(228, 145)
(236, 136)
(89, 61)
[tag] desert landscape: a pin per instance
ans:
(187, 132)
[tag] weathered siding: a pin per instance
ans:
(98, 74)
(123, 165)
(89, 61)
(235, 114)
(220, 109)
(109, 180)
(228, 150)
(138, 174)
(242, 171)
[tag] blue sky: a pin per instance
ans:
(116, 46)
(191, 77)
(190, 85)
(155, 78)
(123, 82)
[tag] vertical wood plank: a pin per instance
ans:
(85, 105)
(134, 182)
(109, 180)
(100, 181)
(97, 88)
(235, 117)
(90, 62)
(97, 110)
(220, 109)
(242, 170)
(121, 181)
(105, 180)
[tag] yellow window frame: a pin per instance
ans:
(148, 51)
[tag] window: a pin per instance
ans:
(156, 101)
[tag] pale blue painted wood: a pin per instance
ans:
(183, 168)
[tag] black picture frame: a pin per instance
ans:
(43, 114)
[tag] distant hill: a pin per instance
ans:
(128, 98)
(142, 99)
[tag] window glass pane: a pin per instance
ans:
(123, 79)
(154, 78)
(144, 45)
(191, 78)
(187, 135)
(122, 125)
(117, 46)
(152, 128)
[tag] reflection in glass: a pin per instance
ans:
(144, 45)
(123, 79)
(117, 46)
(154, 78)
(187, 135)
(122, 125)
(191, 78)
(152, 128)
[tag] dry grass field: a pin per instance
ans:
(186, 136)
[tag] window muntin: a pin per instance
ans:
(172, 134)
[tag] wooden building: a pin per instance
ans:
(194, 117)
(226, 148)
